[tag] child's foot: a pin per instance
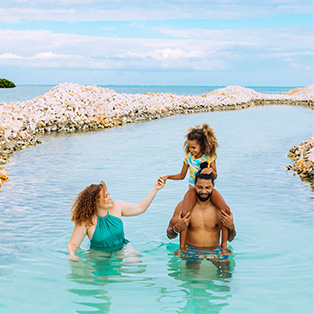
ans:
(177, 252)
(225, 249)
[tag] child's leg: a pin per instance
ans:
(224, 239)
(189, 201)
(220, 203)
(182, 239)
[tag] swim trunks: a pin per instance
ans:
(191, 253)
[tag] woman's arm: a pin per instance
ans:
(179, 176)
(77, 237)
(128, 209)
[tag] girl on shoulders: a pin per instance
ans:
(200, 146)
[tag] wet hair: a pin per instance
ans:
(205, 137)
(85, 204)
(204, 176)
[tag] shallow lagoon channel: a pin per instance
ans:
(271, 269)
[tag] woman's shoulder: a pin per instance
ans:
(118, 204)
(117, 207)
(86, 225)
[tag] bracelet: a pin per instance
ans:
(175, 230)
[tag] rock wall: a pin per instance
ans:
(70, 107)
(303, 157)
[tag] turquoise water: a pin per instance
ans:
(27, 92)
(272, 266)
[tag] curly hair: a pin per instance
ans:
(205, 137)
(85, 204)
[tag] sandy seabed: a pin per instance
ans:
(71, 107)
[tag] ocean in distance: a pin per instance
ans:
(28, 92)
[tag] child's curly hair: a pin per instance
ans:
(205, 137)
(85, 204)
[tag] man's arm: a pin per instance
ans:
(177, 224)
(227, 221)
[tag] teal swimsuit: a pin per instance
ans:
(109, 234)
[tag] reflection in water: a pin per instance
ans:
(98, 268)
(206, 286)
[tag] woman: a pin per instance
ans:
(96, 215)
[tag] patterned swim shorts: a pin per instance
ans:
(191, 253)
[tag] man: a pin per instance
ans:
(204, 223)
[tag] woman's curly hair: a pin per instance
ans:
(85, 204)
(205, 137)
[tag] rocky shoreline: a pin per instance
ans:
(71, 107)
(303, 157)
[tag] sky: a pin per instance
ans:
(146, 42)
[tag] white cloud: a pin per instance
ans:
(165, 54)
(286, 38)
(198, 50)
(76, 11)
(94, 52)
(41, 59)
(9, 56)
(50, 55)
(173, 59)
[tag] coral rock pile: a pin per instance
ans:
(303, 157)
(69, 107)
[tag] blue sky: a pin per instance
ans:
(142, 42)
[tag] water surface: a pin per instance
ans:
(272, 265)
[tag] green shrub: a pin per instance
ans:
(4, 83)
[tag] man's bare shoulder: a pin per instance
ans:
(176, 213)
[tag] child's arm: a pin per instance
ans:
(179, 176)
(211, 169)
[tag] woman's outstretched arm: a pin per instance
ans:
(128, 209)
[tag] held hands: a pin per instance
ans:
(160, 183)
(227, 220)
(165, 178)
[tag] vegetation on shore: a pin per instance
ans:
(4, 83)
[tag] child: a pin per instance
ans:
(200, 146)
